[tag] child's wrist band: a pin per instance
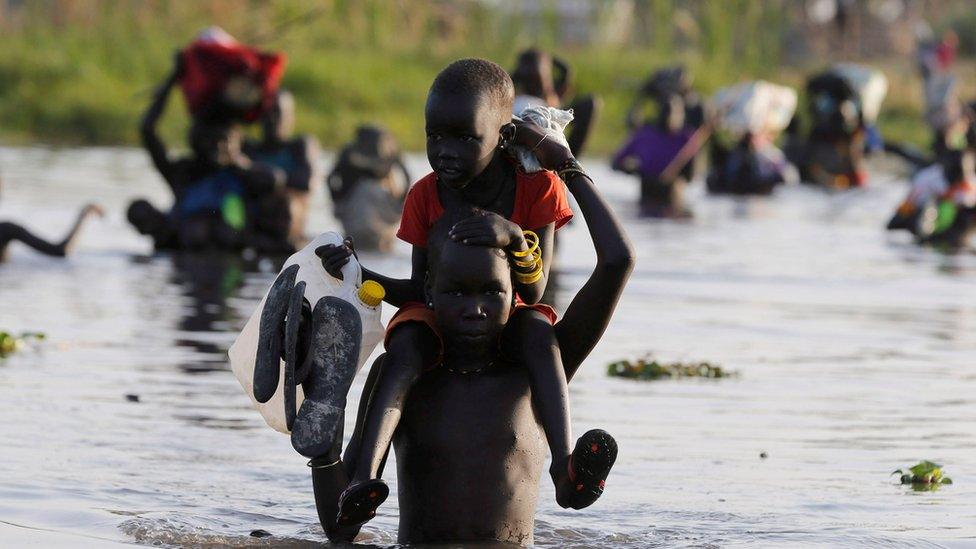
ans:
(532, 240)
(528, 264)
(530, 278)
(534, 257)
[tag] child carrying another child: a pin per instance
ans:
(469, 131)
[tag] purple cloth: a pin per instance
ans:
(654, 148)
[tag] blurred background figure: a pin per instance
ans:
(743, 157)
(221, 198)
(662, 148)
(297, 156)
(545, 80)
(940, 206)
(12, 232)
(843, 103)
(935, 57)
(368, 185)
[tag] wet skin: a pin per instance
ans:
(439, 456)
(464, 133)
(462, 136)
(470, 449)
(470, 454)
(11, 232)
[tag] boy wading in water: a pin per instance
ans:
(470, 449)
(469, 128)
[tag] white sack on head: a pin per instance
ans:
(216, 35)
(753, 107)
(870, 85)
(553, 121)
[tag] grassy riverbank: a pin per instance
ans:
(84, 76)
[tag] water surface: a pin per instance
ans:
(856, 351)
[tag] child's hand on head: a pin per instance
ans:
(549, 153)
(334, 258)
(487, 229)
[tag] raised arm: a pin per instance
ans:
(590, 311)
(147, 129)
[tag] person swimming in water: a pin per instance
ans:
(542, 79)
(12, 232)
(368, 186)
(469, 447)
(468, 122)
(297, 156)
(222, 199)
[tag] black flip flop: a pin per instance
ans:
(358, 502)
(333, 357)
(292, 322)
(589, 466)
(267, 362)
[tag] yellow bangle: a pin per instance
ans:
(536, 258)
(533, 240)
(530, 278)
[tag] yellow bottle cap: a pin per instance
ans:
(371, 293)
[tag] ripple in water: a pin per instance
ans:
(855, 350)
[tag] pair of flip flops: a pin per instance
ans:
(326, 373)
(589, 466)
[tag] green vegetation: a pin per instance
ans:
(649, 369)
(926, 475)
(80, 72)
(9, 343)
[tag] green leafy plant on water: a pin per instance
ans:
(10, 343)
(926, 475)
(650, 369)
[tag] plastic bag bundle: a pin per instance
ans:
(550, 119)
(870, 84)
(754, 107)
(223, 78)
(319, 284)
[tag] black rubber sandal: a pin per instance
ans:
(267, 362)
(589, 466)
(293, 321)
(358, 502)
(333, 357)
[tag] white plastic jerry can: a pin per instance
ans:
(366, 298)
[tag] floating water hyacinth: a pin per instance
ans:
(9, 343)
(650, 369)
(926, 475)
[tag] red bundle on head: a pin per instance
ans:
(224, 79)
